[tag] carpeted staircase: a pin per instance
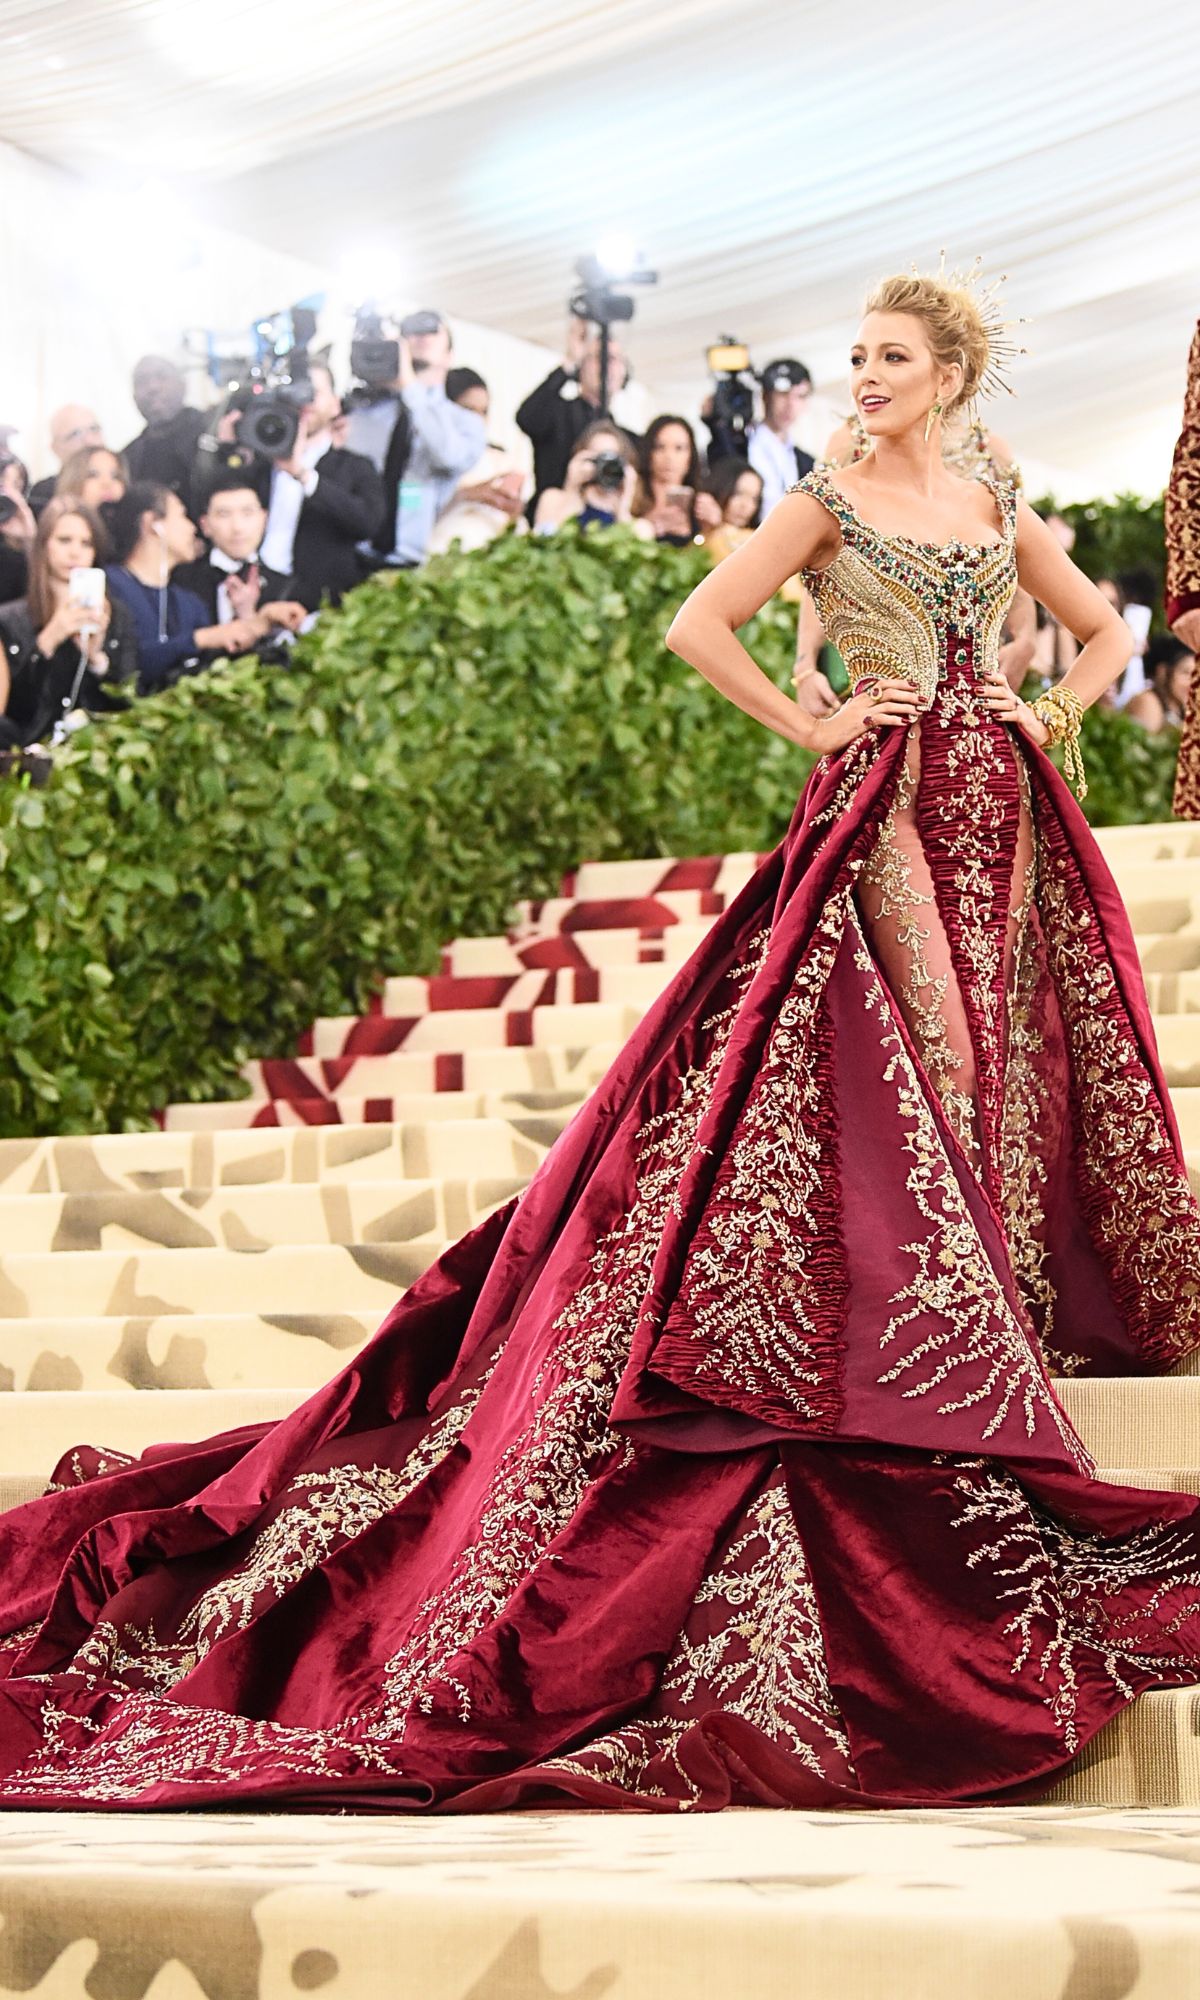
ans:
(233, 1261)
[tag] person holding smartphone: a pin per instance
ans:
(66, 643)
(669, 495)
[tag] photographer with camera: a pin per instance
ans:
(151, 535)
(164, 454)
(786, 386)
(422, 442)
(555, 415)
(599, 487)
(67, 642)
(233, 581)
(322, 501)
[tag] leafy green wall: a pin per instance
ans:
(204, 875)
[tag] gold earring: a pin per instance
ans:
(934, 413)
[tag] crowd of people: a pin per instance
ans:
(129, 568)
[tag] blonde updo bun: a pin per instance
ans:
(953, 325)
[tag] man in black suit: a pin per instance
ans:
(232, 581)
(321, 502)
(165, 452)
(555, 415)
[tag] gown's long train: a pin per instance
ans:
(725, 1464)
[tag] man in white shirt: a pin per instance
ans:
(234, 581)
(786, 386)
(322, 501)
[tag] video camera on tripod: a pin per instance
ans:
(603, 274)
(732, 406)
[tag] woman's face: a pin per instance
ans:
(742, 504)
(102, 481)
(1179, 682)
(894, 379)
(670, 456)
(69, 546)
(1108, 590)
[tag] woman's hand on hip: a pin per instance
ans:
(879, 705)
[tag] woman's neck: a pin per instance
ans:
(910, 460)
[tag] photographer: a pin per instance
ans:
(64, 648)
(669, 495)
(786, 386)
(233, 581)
(422, 442)
(322, 501)
(599, 488)
(164, 454)
(151, 535)
(555, 415)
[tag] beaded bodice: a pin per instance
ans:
(930, 611)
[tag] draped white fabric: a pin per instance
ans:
(772, 159)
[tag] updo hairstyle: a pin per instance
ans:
(952, 320)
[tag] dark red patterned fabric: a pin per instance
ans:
(726, 1465)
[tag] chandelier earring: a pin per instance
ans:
(934, 413)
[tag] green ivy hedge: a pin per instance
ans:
(207, 873)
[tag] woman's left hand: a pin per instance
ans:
(1005, 704)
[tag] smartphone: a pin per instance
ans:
(86, 587)
(680, 496)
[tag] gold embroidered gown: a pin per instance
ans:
(726, 1463)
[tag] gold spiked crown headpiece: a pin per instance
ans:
(1000, 333)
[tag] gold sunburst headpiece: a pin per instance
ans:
(985, 295)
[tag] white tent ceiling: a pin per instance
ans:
(771, 159)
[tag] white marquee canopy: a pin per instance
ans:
(771, 160)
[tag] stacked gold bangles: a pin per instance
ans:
(1062, 712)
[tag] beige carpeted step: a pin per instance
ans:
(1148, 1755)
(201, 1350)
(446, 1147)
(1002, 1903)
(1178, 1037)
(1168, 840)
(309, 1277)
(1173, 951)
(494, 1067)
(251, 1218)
(521, 1108)
(1151, 1422)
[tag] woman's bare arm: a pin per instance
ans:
(1046, 571)
(796, 533)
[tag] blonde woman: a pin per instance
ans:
(725, 1465)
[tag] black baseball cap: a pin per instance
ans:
(415, 323)
(785, 374)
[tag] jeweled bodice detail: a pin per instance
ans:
(915, 609)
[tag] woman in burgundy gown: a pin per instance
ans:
(725, 1465)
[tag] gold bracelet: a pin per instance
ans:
(797, 678)
(1061, 712)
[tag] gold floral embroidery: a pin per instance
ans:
(954, 1280)
(752, 1647)
(757, 1319)
(1140, 1208)
(1071, 1591)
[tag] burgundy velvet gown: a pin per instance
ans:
(725, 1465)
